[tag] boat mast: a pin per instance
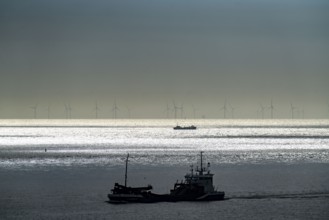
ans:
(201, 171)
(126, 170)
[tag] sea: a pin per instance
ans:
(64, 169)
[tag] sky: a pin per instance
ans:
(143, 55)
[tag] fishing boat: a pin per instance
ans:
(123, 193)
(197, 186)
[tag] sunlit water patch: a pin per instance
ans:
(39, 143)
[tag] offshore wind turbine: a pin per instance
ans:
(48, 111)
(262, 110)
(292, 108)
(167, 110)
(115, 109)
(34, 108)
(271, 107)
(194, 111)
(181, 110)
(175, 108)
(224, 108)
(68, 110)
(232, 110)
(96, 110)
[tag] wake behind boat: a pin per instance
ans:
(197, 186)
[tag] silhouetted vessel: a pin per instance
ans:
(197, 186)
(178, 127)
(123, 193)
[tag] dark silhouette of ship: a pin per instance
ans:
(178, 127)
(123, 193)
(197, 186)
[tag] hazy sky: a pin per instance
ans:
(145, 53)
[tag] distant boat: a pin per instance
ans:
(197, 186)
(192, 127)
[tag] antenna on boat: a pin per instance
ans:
(126, 170)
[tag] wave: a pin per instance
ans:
(308, 195)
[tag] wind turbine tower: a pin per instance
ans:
(232, 110)
(181, 110)
(224, 108)
(194, 111)
(96, 110)
(167, 110)
(262, 110)
(292, 108)
(115, 109)
(175, 109)
(271, 108)
(34, 108)
(69, 110)
(48, 112)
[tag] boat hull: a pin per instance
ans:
(151, 198)
(146, 198)
(184, 128)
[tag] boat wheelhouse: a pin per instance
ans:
(197, 185)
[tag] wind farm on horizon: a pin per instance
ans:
(168, 110)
